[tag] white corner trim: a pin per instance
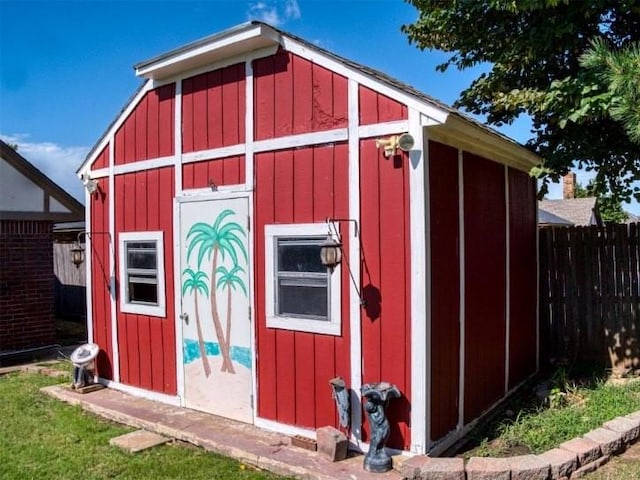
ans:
(507, 278)
(112, 261)
(331, 327)
(158, 310)
(420, 311)
(387, 128)
(355, 309)
(87, 267)
(301, 140)
(462, 288)
(140, 392)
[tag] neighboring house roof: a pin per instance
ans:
(253, 37)
(632, 218)
(548, 219)
(572, 211)
(28, 194)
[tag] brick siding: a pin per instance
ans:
(26, 285)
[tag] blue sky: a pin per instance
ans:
(66, 66)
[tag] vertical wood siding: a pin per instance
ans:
(445, 288)
(144, 202)
(304, 185)
(294, 95)
(386, 319)
(148, 131)
(485, 283)
(522, 268)
(377, 108)
(222, 171)
(100, 277)
(213, 109)
(102, 161)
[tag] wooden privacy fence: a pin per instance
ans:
(590, 294)
(70, 286)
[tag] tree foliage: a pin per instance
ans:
(610, 210)
(572, 66)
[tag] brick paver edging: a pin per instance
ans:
(572, 459)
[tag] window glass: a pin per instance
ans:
(300, 255)
(301, 294)
(142, 273)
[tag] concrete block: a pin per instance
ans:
(528, 467)
(589, 467)
(485, 468)
(562, 462)
(586, 450)
(137, 441)
(332, 443)
(634, 416)
(423, 467)
(630, 429)
(610, 442)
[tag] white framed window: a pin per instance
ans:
(142, 286)
(301, 293)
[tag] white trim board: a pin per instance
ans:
(355, 347)
(420, 311)
(140, 392)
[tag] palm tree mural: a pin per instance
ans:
(212, 241)
(229, 279)
(194, 283)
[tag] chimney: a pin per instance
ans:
(569, 186)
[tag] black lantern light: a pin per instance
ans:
(331, 253)
(77, 255)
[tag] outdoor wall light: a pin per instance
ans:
(91, 184)
(77, 254)
(403, 142)
(331, 253)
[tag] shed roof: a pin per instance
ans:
(572, 211)
(445, 122)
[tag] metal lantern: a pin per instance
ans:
(77, 255)
(331, 253)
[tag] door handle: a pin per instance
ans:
(185, 318)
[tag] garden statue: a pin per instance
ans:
(376, 397)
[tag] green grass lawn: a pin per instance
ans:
(42, 438)
(572, 410)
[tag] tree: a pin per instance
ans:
(610, 210)
(194, 283)
(229, 279)
(552, 60)
(217, 240)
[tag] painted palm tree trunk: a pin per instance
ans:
(227, 364)
(203, 351)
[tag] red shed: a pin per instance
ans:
(218, 185)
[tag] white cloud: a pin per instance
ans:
(58, 162)
(274, 12)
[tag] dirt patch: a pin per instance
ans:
(625, 466)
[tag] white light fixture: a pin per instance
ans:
(404, 142)
(89, 183)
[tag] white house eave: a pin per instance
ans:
(467, 136)
(242, 39)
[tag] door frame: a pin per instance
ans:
(203, 197)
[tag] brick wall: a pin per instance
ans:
(26, 285)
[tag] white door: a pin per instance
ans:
(216, 324)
